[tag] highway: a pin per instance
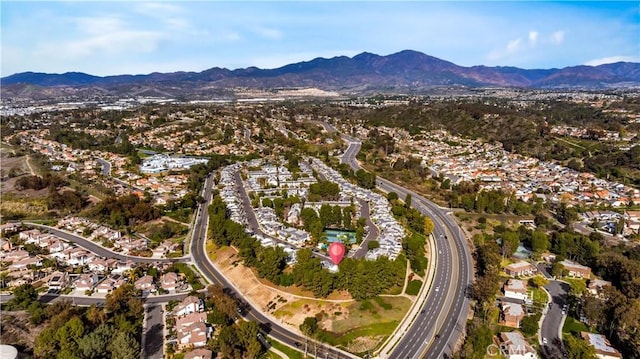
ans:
(442, 318)
(207, 269)
(100, 250)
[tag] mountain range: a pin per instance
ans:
(403, 71)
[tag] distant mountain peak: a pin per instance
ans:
(405, 70)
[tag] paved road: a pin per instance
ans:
(208, 270)
(441, 322)
(373, 234)
(153, 333)
(85, 301)
(98, 249)
(106, 166)
(554, 318)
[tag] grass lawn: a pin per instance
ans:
(366, 313)
(573, 326)
(539, 296)
(413, 288)
(374, 330)
(290, 352)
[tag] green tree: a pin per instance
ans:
(124, 346)
(428, 226)
(529, 324)
(538, 281)
(94, 344)
(557, 269)
(577, 348)
(539, 241)
(23, 296)
(309, 326)
(271, 263)
(510, 242)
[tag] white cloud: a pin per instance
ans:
(533, 38)
(512, 47)
(99, 25)
(269, 33)
(557, 37)
(151, 9)
(612, 59)
(124, 41)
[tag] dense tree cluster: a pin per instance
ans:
(366, 179)
(324, 191)
(125, 210)
(232, 341)
(470, 196)
(361, 278)
(110, 332)
(48, 180)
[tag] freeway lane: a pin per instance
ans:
(100, 250)
(200, 258)
(444, 312)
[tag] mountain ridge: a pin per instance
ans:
(406, 70)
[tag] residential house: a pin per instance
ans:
(59, 280)
(512, 314)
(15, 256)
(9, 228)
(596, 285)
(576, 270)
(514, 346)
(102, 265)
(30, 236)
(602, 346)
(198, 317)
(169, 281)
(23, 263)
(111, 283)
(145, 284)
(122, 267)
(200, 353)
(5, 245)
(516, 289)
(165, 248)
(194, 335)
(86, 281)
(190, 304)
(520, 269)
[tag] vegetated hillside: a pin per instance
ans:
(399, 72)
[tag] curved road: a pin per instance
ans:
(441, 321)
(100, 250)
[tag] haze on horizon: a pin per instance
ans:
(110, 38)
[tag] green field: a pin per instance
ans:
(573, 326)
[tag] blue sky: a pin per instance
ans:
(118, 37)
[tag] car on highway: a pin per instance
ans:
(544, 341)
(437, 289)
